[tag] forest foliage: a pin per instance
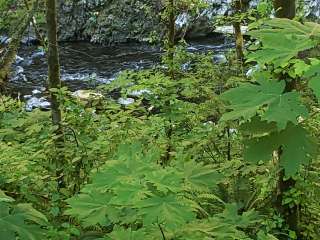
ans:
(205, 152)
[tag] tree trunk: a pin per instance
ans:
(53, 59)
(171, 36)
(34, 24)
(237, 9)
(11, 52)
(55, 82)
(285, 8)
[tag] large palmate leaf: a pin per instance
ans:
(200, 178)
(296, 145)
(91, 209)
(128, 194)
(126, 234)
(165, 180)
(313, 76)
(283, 39)
(168, 210)
(21, 220)
(266, 98)
(227, 225)
(286, 108)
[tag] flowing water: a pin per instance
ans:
(84, 65)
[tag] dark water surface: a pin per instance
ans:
(84, 65)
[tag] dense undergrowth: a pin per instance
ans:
(195, 157)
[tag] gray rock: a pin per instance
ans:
(87, 95)
(26, 97)
(19, 59)
(126, 101)
(38, 54)
(252, 70)
(19, 70)
(117, 21)
(139, 93)
(186, 66)
(229, 30)
(219, 59)
(36, 92)
(5, 40)
(35, 102)
(30, 40)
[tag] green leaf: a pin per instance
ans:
(128, 194)
(266, 99)
(91, 209)
(165, 180)
(21, 220)
(200, 178)
(5, 198)
(286, 108)
(313, 76)
(248, 98)
(168, 210)
(283, 39)
(126, 234)
(314, 84)
(257, 128)
(297, 148)
(226, 225)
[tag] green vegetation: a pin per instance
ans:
(204, 152)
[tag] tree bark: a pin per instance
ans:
(55, 82)
(237, 9)
(11, 52)
(171, 36)
(53, 59)
(34, 24)
(285, 8)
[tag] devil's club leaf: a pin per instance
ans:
(296, 145)
(313, 75)
(248, 98)
(283, 39)
(286, 108)
(165, 180)
(167, 210)
(268, 100)
(127, 194)
(21, 220)
(126, 234)
(91, 209)
(199, 177)
(257, 128)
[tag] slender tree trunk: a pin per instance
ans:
(171, 21)
(237, 9)
(285, 8)
(10, 53)
(55, 82)
(171, 36)
(34, 24)
(53, 59)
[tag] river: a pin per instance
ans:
(85, 65)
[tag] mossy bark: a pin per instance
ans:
(237, 9)
(11, 51)
(55, 83)
(171, 36)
